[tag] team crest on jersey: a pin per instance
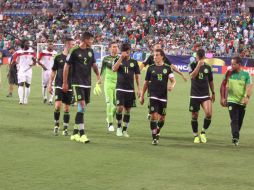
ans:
(131, 64)
(164, 71)
(79, 55)
(61, 61)
(153, 71)
(90, 54)
(206, 71)
(152, 108)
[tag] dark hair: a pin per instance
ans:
(201, 53)
(125, 47)
(86, 35)
(111, 43)
(161, 52)
(22, 45)
(238, 60)
(68, 38)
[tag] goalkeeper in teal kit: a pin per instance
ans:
(110, 83)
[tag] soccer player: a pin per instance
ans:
(156, 81)
(46, 61)
(201, 79)
(150, 61)
(60, 96)
(24, 59)
(126, 69)
(239, 87)
(110, 83)
(81, 59)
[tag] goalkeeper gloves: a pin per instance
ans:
(97, 90)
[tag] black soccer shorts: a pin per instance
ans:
(65, 97)
(82, 93)
(126, 99)
(157, 106)
(196, 102)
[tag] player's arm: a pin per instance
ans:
(97, 73)
(175, 69)
(52, 76)
(116, 66)
(172, 83)
(248, 89)
(103, 66)
(137, 77)
(65, 77)
(194, 73)
(143, 92)
(211, 84)
(40, 63)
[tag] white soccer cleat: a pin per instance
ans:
(119, 132)
(25, 101)
(125, 134)
(111, 128)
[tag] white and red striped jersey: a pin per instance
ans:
(23, 58)
(47, 58)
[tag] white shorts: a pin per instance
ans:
(45, 77)
(25, 76)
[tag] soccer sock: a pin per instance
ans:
(153, 126)
(66, 119)
(119, 117)
(44, 92)
(27, 92)
(207, 122)
(109, 113)
(79, 119)
(81, 129)
(21, 93)
(160, 125)
(126, 120)
(56, 117)
(194, 124)
(76, 129)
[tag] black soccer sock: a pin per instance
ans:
(66, 120)
(160, 125)
(126, 120)
(81, 132)
(194, 124)
(119, 117)
(153, 126)
(56, 117)
(207, 122)
(76, 129)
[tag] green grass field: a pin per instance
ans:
(31, 158)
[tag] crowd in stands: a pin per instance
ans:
(221, 36)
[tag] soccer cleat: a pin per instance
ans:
(84, 139)
(56, 130)
(125, 134)
(155, 142)
(119, 132)
(25, 101)
(65, 132)
(235, 141)
(75, 137)
(45, 101)
(203, 138)
(9, 95)
(50, 103)
(196, 140)
(21, 102)
(111, 128)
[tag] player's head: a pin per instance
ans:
(50, 45)
(159, 56)
(69, 42)
(157, 46)
(236, 63)
(125, 47)
(87, 38)
(200, 54)
(113, 48)
(25, 44)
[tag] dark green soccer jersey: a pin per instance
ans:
(81, 61)
(158, 76)
(125, 75)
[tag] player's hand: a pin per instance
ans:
(99, 80)
(223, 102)
(50, 89)
(65, 87)
(139, 93)
(245, 101)
(141, 100)
(124, 55)
(201, 61)
(213, 98)
(170, 88)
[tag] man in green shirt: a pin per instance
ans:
(238, 91)
(110, 83)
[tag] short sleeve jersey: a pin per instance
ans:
(125, 75)
(200, 84)
(158, 76)
(81, 61)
